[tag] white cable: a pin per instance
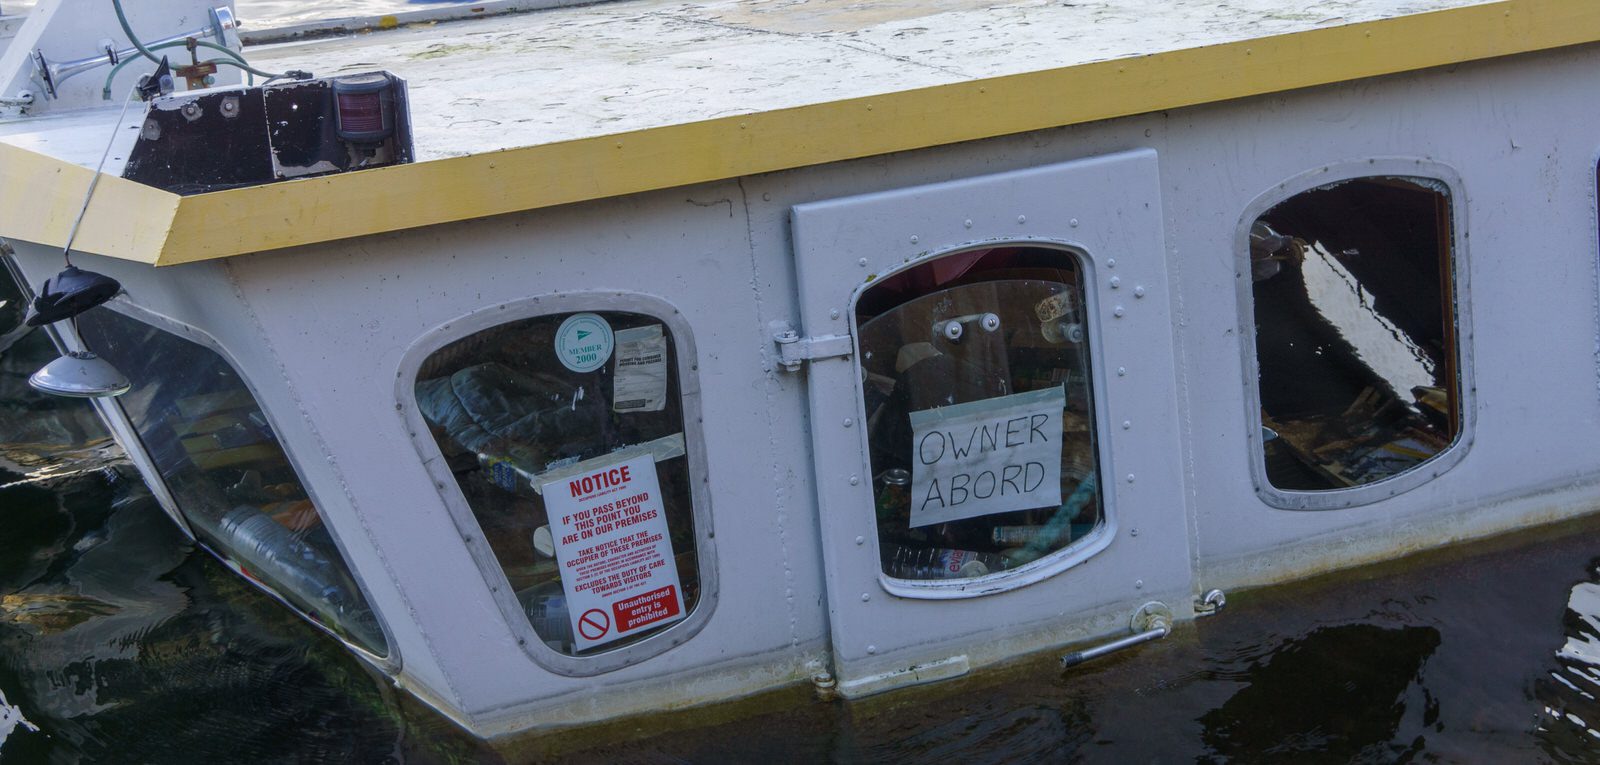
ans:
(66, 252)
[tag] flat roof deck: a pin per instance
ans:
(574, 73)
(564, 105)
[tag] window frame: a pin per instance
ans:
(1077, 552)
(1460, 314)
(390, 662)
(466, 522)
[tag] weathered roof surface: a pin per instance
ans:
(575, 73)
(521, 112)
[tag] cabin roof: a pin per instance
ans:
(571, 104)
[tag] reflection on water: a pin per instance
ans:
(1364, 669)
(1571, 718)
(120, 643)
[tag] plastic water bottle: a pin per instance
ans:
(1046, 536)
(255, 539)
(903, 562)
(547, 612)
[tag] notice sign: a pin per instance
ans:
(611, 542)
(984, 457)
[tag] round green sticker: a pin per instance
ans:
(584, 342)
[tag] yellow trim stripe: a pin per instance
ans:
(40, 197)
(129, 223)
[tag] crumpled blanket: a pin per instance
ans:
(529, 419)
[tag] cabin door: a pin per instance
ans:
(990, 367)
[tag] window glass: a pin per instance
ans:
(1355, 332)
(227, 472)
(980, 413)
(565, 433)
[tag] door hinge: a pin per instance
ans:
(794, 350)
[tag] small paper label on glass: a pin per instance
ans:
(641, 372)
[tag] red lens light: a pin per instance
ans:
(361, 113)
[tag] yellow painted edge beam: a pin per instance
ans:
(281, 215)
(40, 197)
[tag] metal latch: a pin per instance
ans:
(794, 350)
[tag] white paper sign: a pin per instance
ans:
(640, 381)
(615, 555)
(984, 457)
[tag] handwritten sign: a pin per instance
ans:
(984, 457)
(611, 541)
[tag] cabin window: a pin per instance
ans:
(224, 467)
(565, 434)
(980, 412)
(1355, 332)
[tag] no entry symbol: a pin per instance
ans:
(594, 624)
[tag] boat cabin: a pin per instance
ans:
(648, 354)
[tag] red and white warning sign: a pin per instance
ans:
(616, 558)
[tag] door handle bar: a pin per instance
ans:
(1152, 621)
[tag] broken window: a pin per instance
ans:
(980, 412)
(565, 434)
(1355, 332)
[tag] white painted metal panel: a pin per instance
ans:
(1107, 208)
(1523, 152)
(345, 333)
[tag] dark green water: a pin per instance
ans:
(121, 643)
(130, 646)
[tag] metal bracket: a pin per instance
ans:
(1210, 603)
(794, 350)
